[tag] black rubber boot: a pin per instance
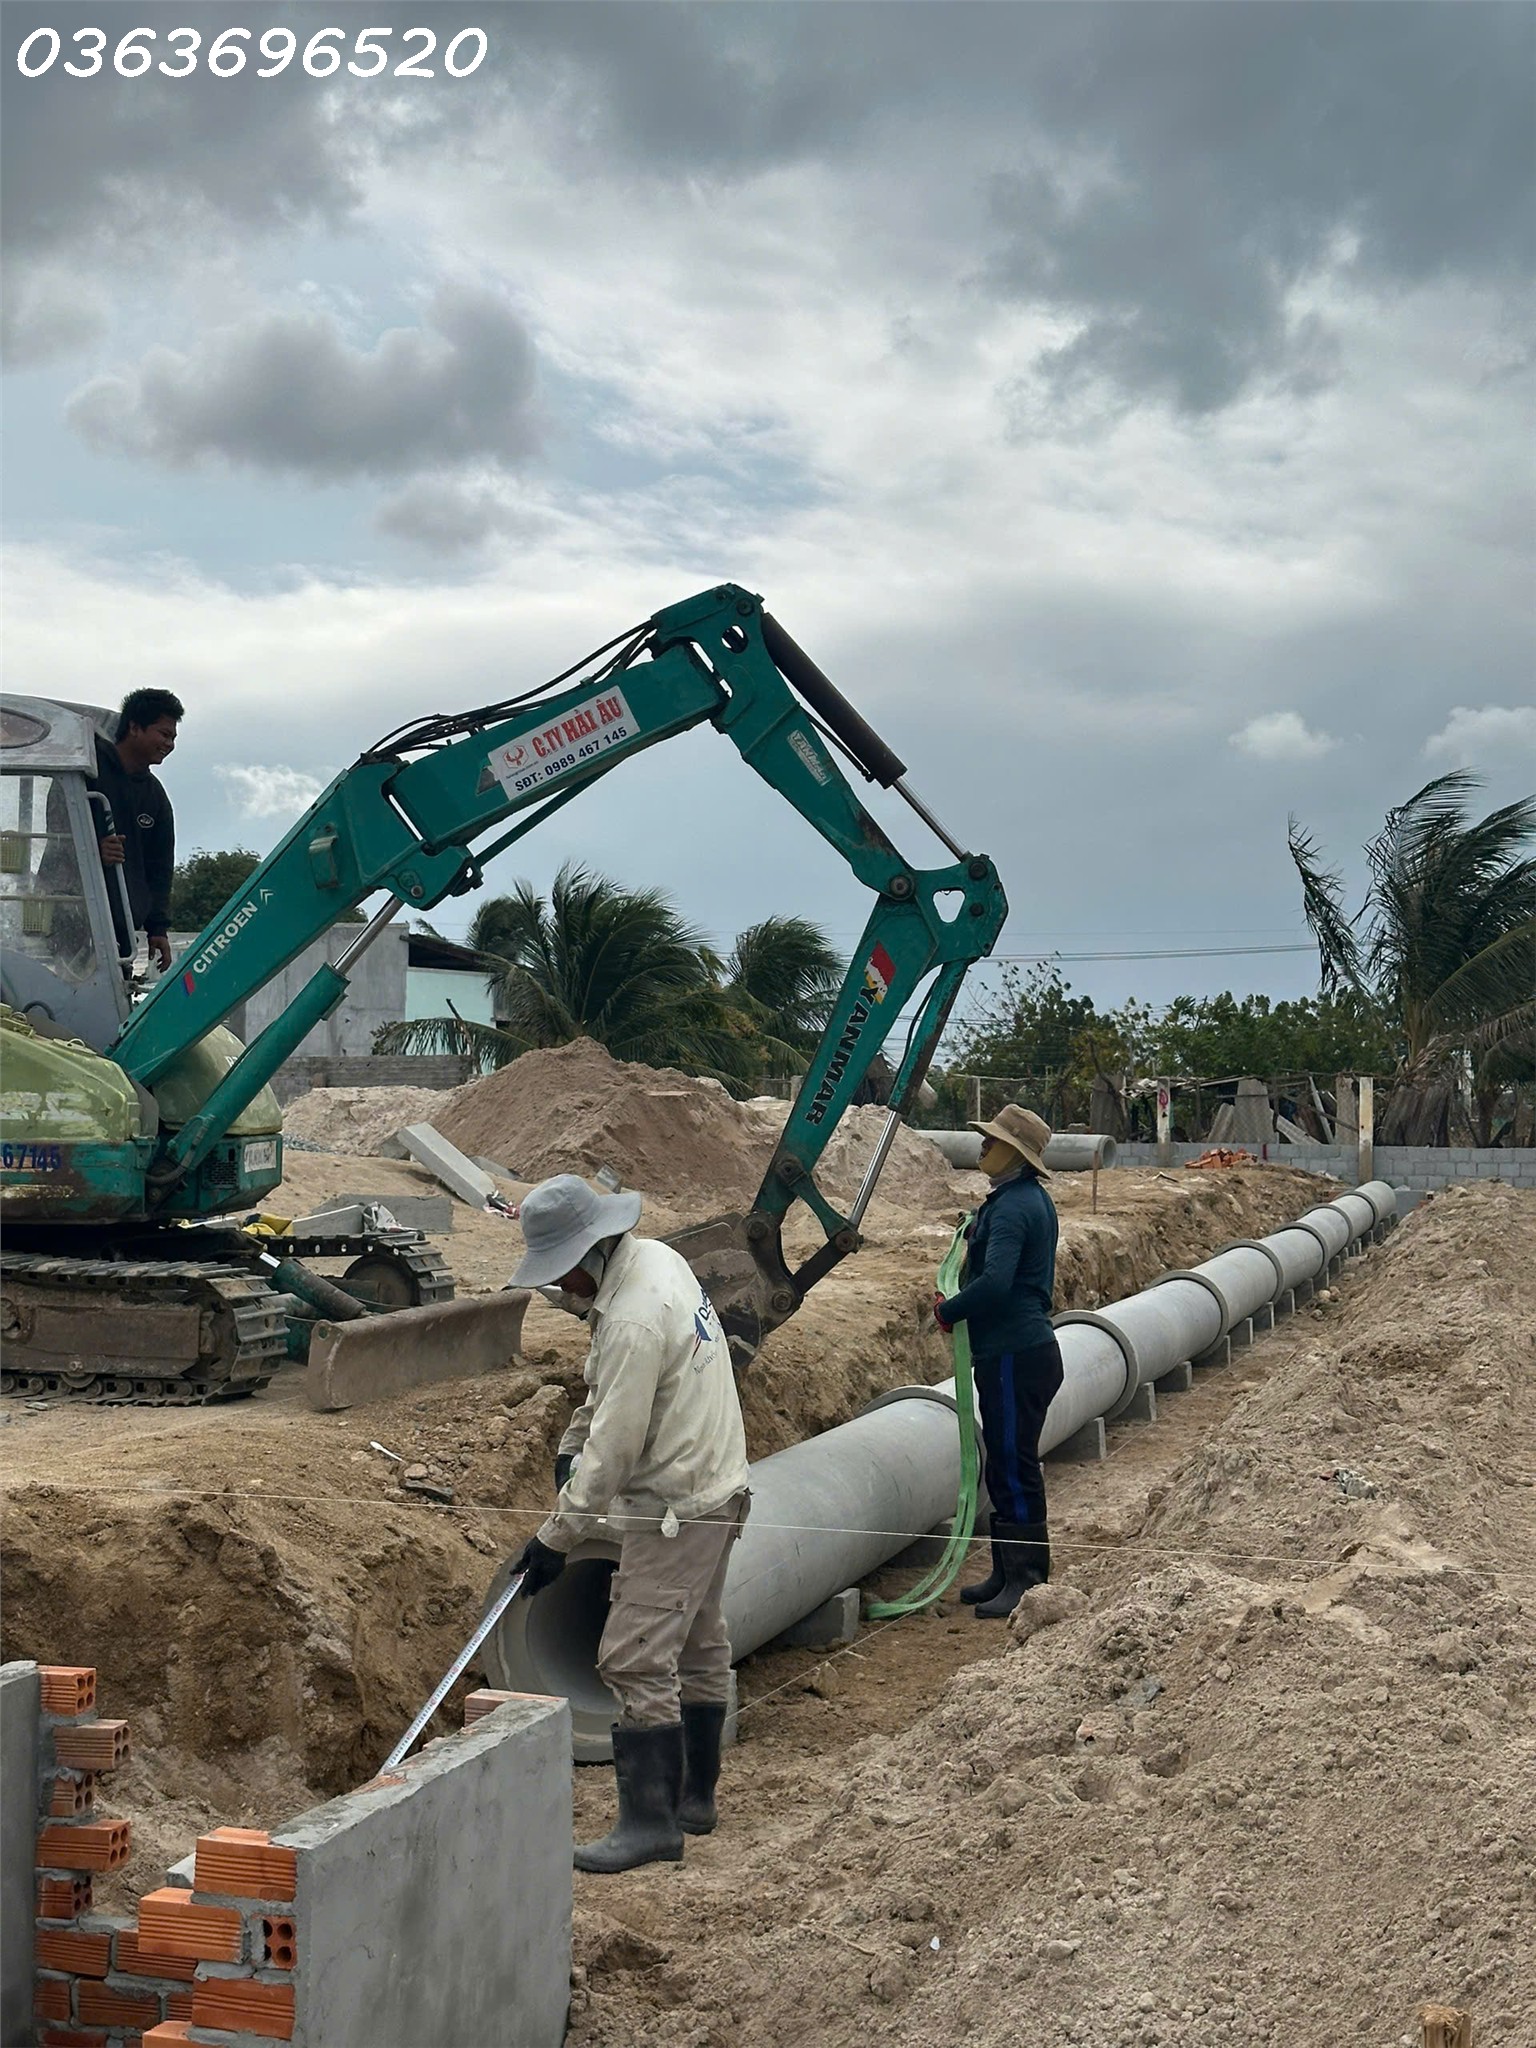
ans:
(703, 1731)
(1025, 1550)
(648, 1767)
(989, 1587)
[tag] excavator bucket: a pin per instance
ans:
(749, 1299)
(377, 1356)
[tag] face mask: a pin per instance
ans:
(572, 1304)
(998, 1158)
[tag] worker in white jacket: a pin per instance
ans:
(657, 1449)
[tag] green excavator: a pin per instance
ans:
(135, 1128)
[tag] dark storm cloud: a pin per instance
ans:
(1163, 174)
(289, 393)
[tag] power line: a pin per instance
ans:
(1158, 953)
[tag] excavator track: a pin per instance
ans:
(155, 1332)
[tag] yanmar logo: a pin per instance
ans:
(879, 973)
(219, 944)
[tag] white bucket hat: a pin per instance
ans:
(562, 1219)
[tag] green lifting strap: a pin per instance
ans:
(944, 1573)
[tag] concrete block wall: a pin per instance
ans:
(373, 1070)
(19, 1733)
(432, 1905)
(1421, 1167)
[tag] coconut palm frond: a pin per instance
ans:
(487, 1046)
(1322, 891)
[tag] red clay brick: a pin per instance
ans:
(103, 2005)
(63, 1898)
(178, 2005)
(478, 1704)
(243, 1863)
(280, 1943)
(71, 2037)
(93, 1746)
(169, 2034)
(88, 1845)
(50, 1999)
(72, 1797)
(67, 1688)
(172, 1923)
(130, 1958)
(244, 2005)
(67, 1948)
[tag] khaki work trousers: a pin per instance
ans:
(666, 1641)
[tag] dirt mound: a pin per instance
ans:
(1275, 1759)
(358, 1120)
(574, 1109)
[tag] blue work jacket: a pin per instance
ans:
(1010, 1270)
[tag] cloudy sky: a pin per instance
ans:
(1129, 406)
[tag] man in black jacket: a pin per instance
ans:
(143, 839)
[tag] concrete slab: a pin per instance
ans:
(368, 1360)
(19, 1707)
(827, 1627)
(436, 1906)
(455, 1169)
(1085, 1446)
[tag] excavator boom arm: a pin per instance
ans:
(418, 816)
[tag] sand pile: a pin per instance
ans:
(358, 1120)
(574, 1108)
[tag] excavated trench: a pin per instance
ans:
(269, 1610)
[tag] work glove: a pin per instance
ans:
(938, 1312)
(565, 1464)
(540, 1567)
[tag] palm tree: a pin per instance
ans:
(623, 966)
(784, 975)
(1443, 949)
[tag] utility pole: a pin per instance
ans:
(1164, 1124)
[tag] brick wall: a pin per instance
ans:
(220, 1956)
(1413, 1166)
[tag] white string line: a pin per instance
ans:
(1058, 1542)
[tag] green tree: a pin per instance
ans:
(1026, 1026)
(622, 966)
(204, 883)
(1443, 949)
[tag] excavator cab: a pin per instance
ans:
(66, 932)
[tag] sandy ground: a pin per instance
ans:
(267, 1607)
(1260, 1767)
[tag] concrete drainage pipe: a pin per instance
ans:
(1068, 1151)
(829, 1511)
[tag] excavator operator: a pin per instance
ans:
(143, 841)
(657, 1448)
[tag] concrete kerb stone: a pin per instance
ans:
(455, 1169)
(20, 1703)
(1177, 1380)
(830, 1626)
(436, 1905)
(1142, 1406)
(1085, 1446)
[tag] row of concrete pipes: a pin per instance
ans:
(829, 1511)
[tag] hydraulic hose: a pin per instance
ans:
(939, 1580)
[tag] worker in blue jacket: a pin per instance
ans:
(1005, 1300)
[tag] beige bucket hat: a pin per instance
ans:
(1027, 1133)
